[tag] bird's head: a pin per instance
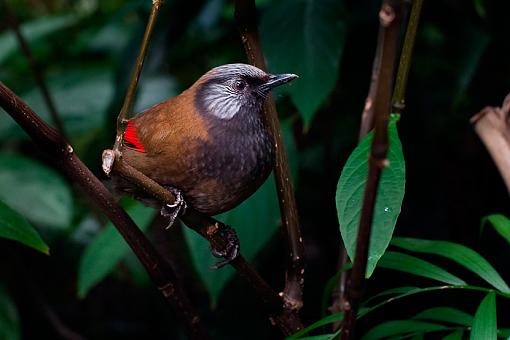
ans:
(227, 90)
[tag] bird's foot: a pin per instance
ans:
(173, 210)
(231, 248)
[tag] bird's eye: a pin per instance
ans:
(239, 85)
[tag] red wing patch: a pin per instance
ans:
(131, 140)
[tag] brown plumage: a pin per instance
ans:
(209, 142)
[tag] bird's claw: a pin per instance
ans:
(231, 249)
(173, 210)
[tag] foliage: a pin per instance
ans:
(86, 50)
(390, 193)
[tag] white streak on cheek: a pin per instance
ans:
(222, 105)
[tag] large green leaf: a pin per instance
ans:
(390, 193)
(307, 38)
(33, 30)
(15, 227)
(35, 191)
(255, 221)
(500, 223)
(485, 321)
(445, 314)
(330, 336)
(464, 256)
(104, 253)
(81, 96)
(399, 327)
(9, 320)
(413, 265)
(324, 321)
(457, 335)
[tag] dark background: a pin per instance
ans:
(460, 65)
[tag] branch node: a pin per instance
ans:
(386, 15)
(108, 159)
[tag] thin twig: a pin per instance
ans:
(208, 227)
(54, 145)
(389, 19)
(127, 106)
(367, 116)
(405, 58)
(36, 69)
(246, 17)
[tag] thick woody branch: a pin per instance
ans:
(209, 228)
(389, 20)
(246, 16)
(62, 153)
(492, 126)
(34, 65)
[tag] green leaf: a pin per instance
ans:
(330, 336)
(324, 321)
(33, 31)
(398, 327)
(457, 335)
(413, 265)
(35, 191)
(103, 254)
(15, 227)
(500, 223)
(464, 256)
(9, 320)
(390, 193)
(306, 38)
(81, 96)
(485, 321)
(255, 221)
(392, 291)
(445, 314)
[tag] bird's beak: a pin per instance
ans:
(278, 79)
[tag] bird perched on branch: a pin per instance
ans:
(208, 145)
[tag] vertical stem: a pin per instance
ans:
(389, 19)
(246, 17)
(405, 58)
(127, 106)
(36, 69)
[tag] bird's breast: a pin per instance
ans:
(230, 167)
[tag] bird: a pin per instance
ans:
(208, 145)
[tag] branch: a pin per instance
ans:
(54, 145)
(127, 106)
(389, 20)
(405, 58)
(368, 114)
(246, 17)
(208, 227)
(493, 128)
(36, 69)
(202, 224)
